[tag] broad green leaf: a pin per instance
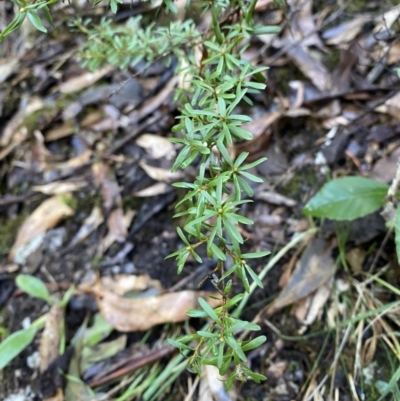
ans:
(33, 286)
(397, 231)
(347, 198)
(14, 344)
(209, 310)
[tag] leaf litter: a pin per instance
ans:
(330, 108)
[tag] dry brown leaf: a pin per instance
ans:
(346, 32)
(314, 269)
(391, 106)
(50, 338)
(59, 187)
(84, 81)
(308, 309)
(154, 102)
(312, 68)
(89, 225)
(275, 198)
(8, 67)
(156, 146)
(117, 225)
(157, 189)
(75, 162)
(47, 215)
(59, 132)
(160, 174)
(385, 168)
(143, 313)
(12, 126)
(394, 53)
(387, 19)
(105, 179)
(118, 229)
(124, 283)
(355, 258)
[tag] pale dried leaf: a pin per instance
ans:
(59, 187)
(156, 146)
(346, 32)
(62, 131)
(116, 225)
(8, 67)
(312, 68)
(275, 198)
(355, 258)
(394, 53)
(308, 309)
(391, 106)
(89, 225)
(84, 81)
(75, 162)
(215, 385)
(386, 20)
(121, 284)
(314, 269)
(114, 234)
(157, 189)
(47, 215)
(109, 188)
(160, 174)
(12, 126)
(143, 313)
(50, 338)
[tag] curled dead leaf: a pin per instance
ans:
(59, 187)
(143, 313)
(50, 339)
(156, 146)
(160, 174)
(47, 215)
(314, 269)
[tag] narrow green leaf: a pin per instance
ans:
(232, 231)
(207, 334)
(236, 347)
(254, 164)
(254, 276)
(179, 345)
(36, 21)
(217, 251)
(347, 198)
(196, 313)
(251, 177)
(234, 300)
(397, 232)
(14, 344)
(209, 310)
(254, 343)
(33, 286)
(255, 255)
